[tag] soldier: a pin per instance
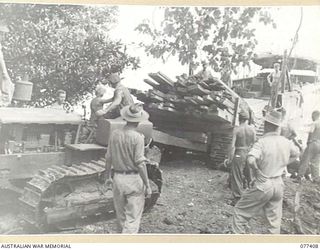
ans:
(205, 73)
(130, 182)
(97, 103)
(121, 98)
(268, 158)
(243, 138)
(274, 82)
(6, 86)
(61, 102)
(311, 155)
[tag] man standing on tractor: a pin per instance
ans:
(274, 82)
(120, 99)
(243, 138)
(130, 181)
(268, 158)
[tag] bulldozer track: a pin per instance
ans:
(41, 203)
(35, 196)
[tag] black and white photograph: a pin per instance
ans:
(146, 119)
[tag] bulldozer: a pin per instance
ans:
(51, 175)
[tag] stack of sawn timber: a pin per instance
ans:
(192, 105)
(189, 101)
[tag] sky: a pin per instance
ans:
(269, 39)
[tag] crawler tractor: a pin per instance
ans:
(50, 175)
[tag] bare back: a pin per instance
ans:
(245, 136)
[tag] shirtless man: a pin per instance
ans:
(244, 136)
(120, 99)
(274, 82)
(97, 103)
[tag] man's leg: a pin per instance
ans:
(273, 97)
(236, 175)
(135, 204)
(315, 171)
(305, 160)
(315, 160)
(113, 114)
(134, 210)
(273, 209)
(119, 202)
(251, 203)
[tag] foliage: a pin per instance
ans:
(61, 46)
(224, 34)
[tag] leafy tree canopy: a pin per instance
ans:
(223, 34)
(62, 46)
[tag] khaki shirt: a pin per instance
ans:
(126, 150)
(272, 153)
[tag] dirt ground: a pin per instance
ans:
(196, 199)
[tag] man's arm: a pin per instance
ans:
(251, 160)
(100, 111)
(105, 100)
(144, 176)
(250, 167)
(293, 133)
(115, 103)
(108, 165)
(294, 152)
(269, 79)
(140, 160)
(232, 145)
(254, 135)
(310, 127)
(255, 154)
(258, 175)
